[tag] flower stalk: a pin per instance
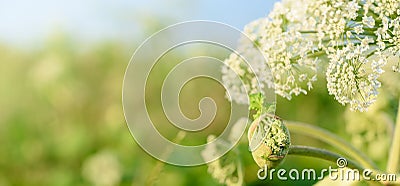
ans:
(333, 157)
(322, 154)
(394, 153)
(331, 139)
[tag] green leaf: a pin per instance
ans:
(257, 104)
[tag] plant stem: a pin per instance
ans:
(333, 157)
(394, 153)
(322, 154)
(157, 169)
(331, 139)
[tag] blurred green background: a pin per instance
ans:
(61, 117)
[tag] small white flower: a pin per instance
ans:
(359, 29)
(368, 21)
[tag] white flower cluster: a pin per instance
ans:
(102, 169)
(226, 170)
(350, 32)
(248, 63)
(300, 36)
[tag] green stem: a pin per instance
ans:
(308, 31)
(394, 153)
(322, 154)
(333, 157)
(332, 139)
(158, 168)
(309, 54)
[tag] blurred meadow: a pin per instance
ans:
(61, 116)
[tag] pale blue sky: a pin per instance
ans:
(26, 22)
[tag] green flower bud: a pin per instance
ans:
(274, 141)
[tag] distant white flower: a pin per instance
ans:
(227, 169)
(102, 169)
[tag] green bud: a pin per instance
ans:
(274, 142)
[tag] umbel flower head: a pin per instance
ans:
(269, 140)
(349, 40)
(227, 169)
